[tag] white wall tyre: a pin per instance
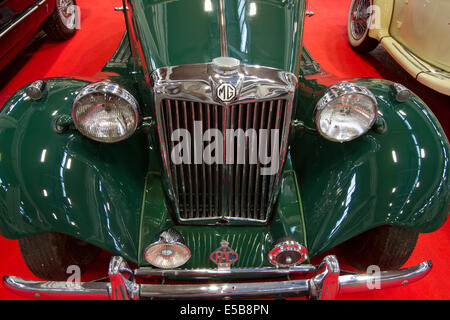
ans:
(358, 23)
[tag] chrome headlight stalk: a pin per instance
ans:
(106, 112)
(345, 112)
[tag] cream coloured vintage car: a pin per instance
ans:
(416, 33)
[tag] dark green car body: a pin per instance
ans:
(115, 195)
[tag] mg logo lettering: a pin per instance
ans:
(226, 92)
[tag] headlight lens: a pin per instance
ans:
(345, 112)
(169, 251)
(105, 112)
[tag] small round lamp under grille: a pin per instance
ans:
(170, 251)
(287, 252)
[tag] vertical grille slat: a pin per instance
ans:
(266, 153)
(218, 169)
(189, 177)
(231, 189)
(237, 166)
(168, 135)
(183, 187)
(253, 168)
(203, 170)
(278, 125)
(210, 176)
(230, 167)
(194, 146)
(256, 203)
(246, 166)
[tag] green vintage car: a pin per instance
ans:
(217, 152)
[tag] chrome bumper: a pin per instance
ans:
(326, 283)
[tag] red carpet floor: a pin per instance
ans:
(325, 37)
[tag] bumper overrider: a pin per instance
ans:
(326, 283)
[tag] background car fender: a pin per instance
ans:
(400, 177)
(66, 182)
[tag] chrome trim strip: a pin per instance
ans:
(303, 269)
(223, 29)
(56, 290)
(442, 75)
(407, 55)
(325, 284)
(33, 9)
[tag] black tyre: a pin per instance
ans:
(358, 23)
(48, 254)
(388, 247)
(61, 24)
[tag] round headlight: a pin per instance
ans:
(345, 112)
(105, 112)
(169, 251)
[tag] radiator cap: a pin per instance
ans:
(225, 64)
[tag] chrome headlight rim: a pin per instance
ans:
(111, 88)
(169, 237)
(286, 245)
(340, 90)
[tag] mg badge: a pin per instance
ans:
(224, 256)
(226, 92)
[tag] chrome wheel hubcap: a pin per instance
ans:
(67, 12)
(361, 13)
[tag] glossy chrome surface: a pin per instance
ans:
(67, 12)
(354, 283)
(361, 18)
(325, 284)
(36, 90)
(287, 246)
(122, 285)
(56, 290)
(187, 93)
(401, 93)
(197, 82)
(107, 89)
(199, 273)
(172, 240)
(338, 91)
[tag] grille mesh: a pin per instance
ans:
(233, 189)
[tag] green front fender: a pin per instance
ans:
(400, 177)
(68, 183)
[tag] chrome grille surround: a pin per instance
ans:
(212, 193)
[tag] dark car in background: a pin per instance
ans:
(21, 19)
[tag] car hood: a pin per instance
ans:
(260, 32)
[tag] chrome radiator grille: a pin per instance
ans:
(234, 189)
(225, 95)
(198, 187)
